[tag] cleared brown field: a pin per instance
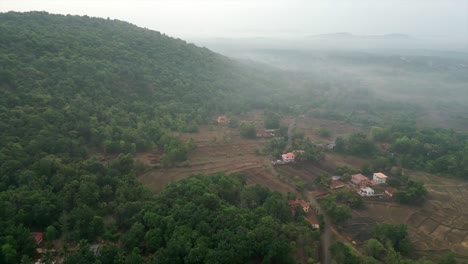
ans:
(219, 149)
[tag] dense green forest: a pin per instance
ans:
(72, 86)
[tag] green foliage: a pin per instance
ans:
(247, 130)
(356, 144)
(373, 248)
(396, 235)
(272, 120)
(342, 254)
(311, 151)
(413, 193)
(233, 122)
(324, 132)
(338, 212)
(275, 146)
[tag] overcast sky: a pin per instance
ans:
(271, 18)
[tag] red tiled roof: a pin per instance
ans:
(357, 178)
(38, 237)
(289, 155)
(337, 184)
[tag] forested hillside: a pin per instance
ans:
(71, 85)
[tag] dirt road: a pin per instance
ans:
(326, 232)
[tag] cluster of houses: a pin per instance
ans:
(364, 184)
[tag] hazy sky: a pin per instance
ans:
(271, 18)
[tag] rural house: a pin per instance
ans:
(367, 191)
(336, 184)
(288, 157)
(379, 177)
(305, 205)
(360, 180)
(223, 119)
(38, 237)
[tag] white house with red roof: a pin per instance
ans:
(288, 157)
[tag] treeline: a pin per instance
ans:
(435, 150)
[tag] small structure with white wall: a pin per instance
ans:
(379, 177)
(367, 191)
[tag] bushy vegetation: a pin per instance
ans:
(248, 130)
(213, 220)
(338, 205)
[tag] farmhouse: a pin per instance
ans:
(389, 191)
(305, 205)
(336, 184)
(367, 191)
(379, 177)
(360, 180)
(222, 119)
(38, 237)
(288, 157)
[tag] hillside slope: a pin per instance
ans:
(74, 84)
(108, 83)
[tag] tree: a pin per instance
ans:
(9, 254)
(272, 121)
(247, 130)
(324, 132)
(373, 248)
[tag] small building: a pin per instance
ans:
(337, 184)
(367, 191)
(223, 119)
(305, 205)
(379, 177)
(360, 180)
(288, 157)
(335, 178)
(389, 191)
(38, 236)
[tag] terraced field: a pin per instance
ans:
(440, 224)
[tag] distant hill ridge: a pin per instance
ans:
(346, 35)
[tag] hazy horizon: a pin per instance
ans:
(266, 19)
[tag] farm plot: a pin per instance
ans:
(219, 149)
(439, 225)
